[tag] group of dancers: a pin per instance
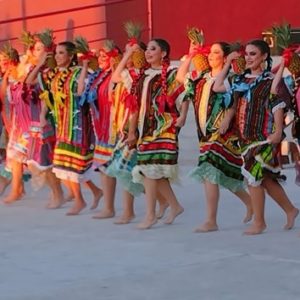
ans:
(122, 119)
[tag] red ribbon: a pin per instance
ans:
(112, 53)
(87, 55)
(204, 50)
(132, 41)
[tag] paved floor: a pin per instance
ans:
(45, 255)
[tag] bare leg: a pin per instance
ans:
(109, 189)
(79, 203)
(277, 193)
(257, 194)
(17, 187)
(151, 188)
(175, 208)
(4, 183)
(97, 193)
(128, 209)
(70, 196)
(212, 200)
(57, 199)
(163, 205)
(246, 199)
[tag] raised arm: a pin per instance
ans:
(219, 86)
(82, 77)
(116, 76)
(185, 65)
(32, 76)
(277, 77)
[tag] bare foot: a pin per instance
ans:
(162, 210)
(4, 183)
(207, 227)
(125, 219)
(255, 229)
(147, 223)
(173, 214)
(76, 209)
(104, 214)
(249, 215)
(56, 203)
(11, 198)
(291, 219)
(97, 197)
(69, 197)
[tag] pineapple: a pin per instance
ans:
(134, 31)
(27, 39)
(283, 38)
(238, 64)
(200, 60)
(111, 50)
(47, 38)
(82, 47)
(11, 53)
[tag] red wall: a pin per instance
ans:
(227, 20)
(221, 20)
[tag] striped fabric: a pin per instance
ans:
(157, 149)
(220, 156)
(73, 153)
(255, 121)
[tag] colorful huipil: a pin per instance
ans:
(124, 159)
(220, 159)
(73, 152)
(157, 146)
(255, 122)
(29, 142)
(103, 117)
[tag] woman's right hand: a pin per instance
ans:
(43, 58)
(232, 56)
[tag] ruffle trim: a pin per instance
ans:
(126, 179)
(155, 172)
(208, 172)
(73, 176)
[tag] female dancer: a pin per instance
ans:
(259, 120)
(125, 77)
(220, 160)
(73, 152)
(157, 143)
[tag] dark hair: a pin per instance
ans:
(164, 46)
(264, 49)
(225, 47)
(71, 49)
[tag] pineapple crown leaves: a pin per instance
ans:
(195, 35)
(133, 30)
(27, 39)
(283, 34)
(236, 46)
(46, 37)
(109, 45)
(10, 52)
(81, 44)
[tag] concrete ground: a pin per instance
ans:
(45, 255)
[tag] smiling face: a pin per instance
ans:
(216, 57)
(154, 54)
(62, 57)
(254, 58)
(103, 60)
